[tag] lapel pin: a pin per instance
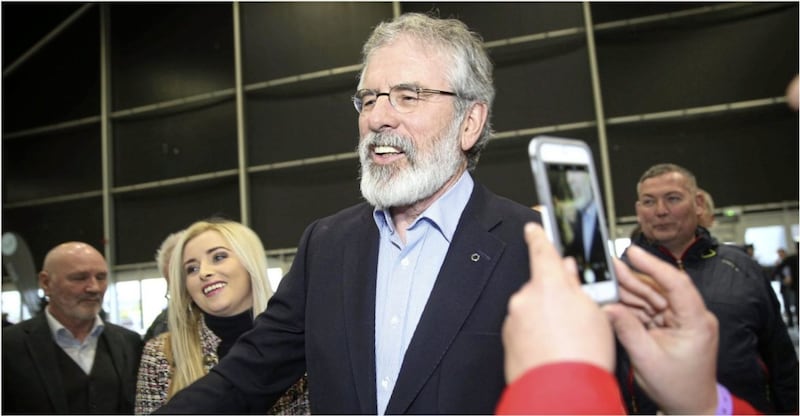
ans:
(475, 257)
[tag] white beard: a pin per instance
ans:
(425, 172)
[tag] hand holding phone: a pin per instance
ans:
(572, 210)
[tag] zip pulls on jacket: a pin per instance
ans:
(679, 261)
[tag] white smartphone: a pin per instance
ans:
(572, 210)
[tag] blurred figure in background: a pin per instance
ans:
(6, 322)
(706, 217)
(163, 255)
(786, 272)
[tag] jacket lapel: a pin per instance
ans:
(471, 258)
(358, 291)
(41, 347)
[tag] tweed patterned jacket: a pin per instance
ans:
(155, 375)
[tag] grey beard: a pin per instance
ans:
(386, 186)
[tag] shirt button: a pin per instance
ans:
(395, 320)
(405, 262)
(385, 383)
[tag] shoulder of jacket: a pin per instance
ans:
(26, 328)
(739, 261)
(115, 329)
(735, 254)
(349, 217)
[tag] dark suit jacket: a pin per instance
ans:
(31, 381)
(322, 319)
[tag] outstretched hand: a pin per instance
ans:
(550, 319)
(674, 353)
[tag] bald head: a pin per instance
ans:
(68, 253)
(74, 277)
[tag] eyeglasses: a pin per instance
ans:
(404, 98)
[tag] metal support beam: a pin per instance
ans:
(241, 134)
(605, 164)
(47, 38)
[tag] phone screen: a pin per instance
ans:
(575, 208)
(572, 210)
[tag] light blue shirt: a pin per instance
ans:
(406, 275)
(81, 352)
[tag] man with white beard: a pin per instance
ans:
(395, 305)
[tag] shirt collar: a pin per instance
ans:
(60, 332)
(440, 213)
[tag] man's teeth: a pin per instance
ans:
(386, 149)
(215, 286)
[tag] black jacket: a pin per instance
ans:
(757, 361)
(322, 319)
(31, 379)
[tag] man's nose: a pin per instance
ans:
(661, 207)
(382, 114)
(93, 285)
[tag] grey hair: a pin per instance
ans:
(470, 74)
(664, 168)
(165, 251)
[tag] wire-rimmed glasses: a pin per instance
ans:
(403, 98)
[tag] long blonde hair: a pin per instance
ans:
(184, 315)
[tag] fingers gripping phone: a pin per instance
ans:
(572, 210)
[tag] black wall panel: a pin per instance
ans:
(555, 89)
(668, 68)
(45, 226)
(505, 170)
(294, 126)
(27, 23)
(289, 38)
(60, 83)
(500, 20)
(285, 202)
(54, 164)
(609, 11)
(164, 51)
(740, 158)
(144, 219)
(179, 144)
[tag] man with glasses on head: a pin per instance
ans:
(395, 305)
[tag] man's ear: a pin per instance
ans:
(472, 127)
(44, 282)
(700, 203)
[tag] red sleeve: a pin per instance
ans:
(741, 407)
(566, 388)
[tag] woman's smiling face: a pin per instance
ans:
(215, 277)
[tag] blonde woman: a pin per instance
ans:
(217, 285)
